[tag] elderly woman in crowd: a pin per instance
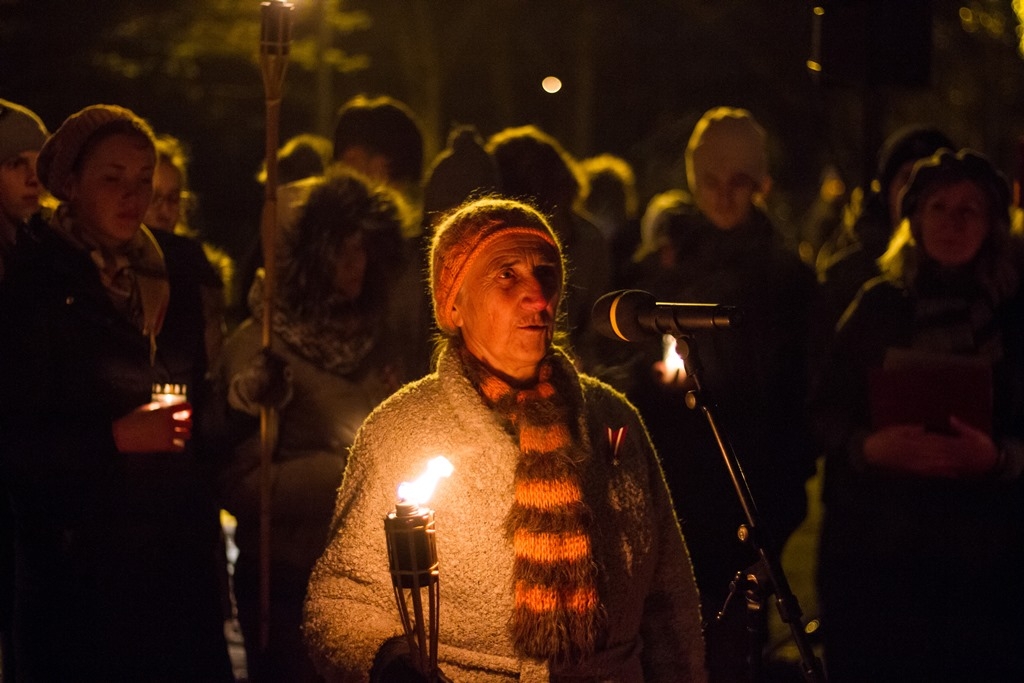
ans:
(923, 523)
(117, 533)
(559, 550)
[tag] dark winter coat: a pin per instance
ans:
(646, 584)
(754, 377)
(913, 570)
(116, 553)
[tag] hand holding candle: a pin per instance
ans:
(154, 428)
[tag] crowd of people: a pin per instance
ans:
(590, 529)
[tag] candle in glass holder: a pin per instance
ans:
(169, 394)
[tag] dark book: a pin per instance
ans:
(915, 387)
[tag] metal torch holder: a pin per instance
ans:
(412, 556)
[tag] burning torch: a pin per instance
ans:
(275, 43)
(412, 556)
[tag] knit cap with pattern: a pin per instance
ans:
(61, 152)
(464, 235)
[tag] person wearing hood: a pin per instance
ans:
(335, 360)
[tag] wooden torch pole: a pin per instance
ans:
(275, 40)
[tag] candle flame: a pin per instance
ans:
(673, 361)
(419, 491)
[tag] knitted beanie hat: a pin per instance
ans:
(461, 170)
(729, 139)
(62, 152)
(20, 130)
(907, 144)
(464, 234)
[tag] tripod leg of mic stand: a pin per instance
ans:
(757, 629)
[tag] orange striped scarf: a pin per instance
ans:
(557, 613)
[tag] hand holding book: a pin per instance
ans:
(916, 450)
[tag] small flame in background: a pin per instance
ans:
(418, 492)
(673, 361)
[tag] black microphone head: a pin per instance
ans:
(616, 314)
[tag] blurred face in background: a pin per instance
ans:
(165, 208)
(725, 196)
(350, 268)
(111, 191)
(953, 222)
(19, 186)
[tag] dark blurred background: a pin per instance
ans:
(635, 77)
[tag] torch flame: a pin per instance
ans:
(419, 491)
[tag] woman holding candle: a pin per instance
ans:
(560, 554)
(328, 331)
(117, 534)
(923, 524)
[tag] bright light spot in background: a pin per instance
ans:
(551, 84)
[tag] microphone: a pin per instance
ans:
(633, 314)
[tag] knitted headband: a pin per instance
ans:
(20, 130)
(60, 154)
(455, 247)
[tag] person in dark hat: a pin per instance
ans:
(22, 135)
(381, 137)
(920, 413)
(847, 261)
(117, 531)
(463, 169)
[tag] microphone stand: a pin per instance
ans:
(768, 568)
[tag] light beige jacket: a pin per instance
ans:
(646, 581)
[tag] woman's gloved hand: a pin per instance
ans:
(265, 383)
